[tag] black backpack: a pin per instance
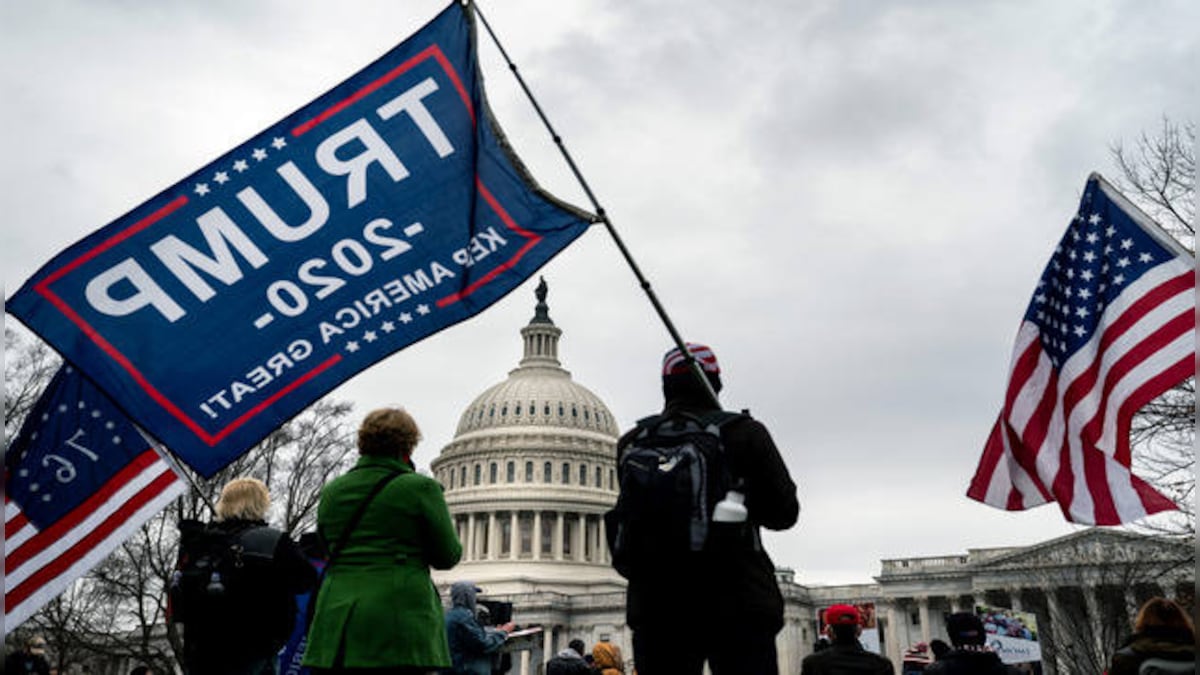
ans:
(221, 575)
(1162, 666)
(672, 474)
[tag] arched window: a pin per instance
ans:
(528, 472)
(493, 470)
(462, 476)
(566, 473)
(510, 472)
(547, 473)
(583, 474)
(598, 477)
(478, 474)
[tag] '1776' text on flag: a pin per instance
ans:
(382, 212)
(1111, 326)
(79, 479)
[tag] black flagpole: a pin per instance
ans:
(601, 214)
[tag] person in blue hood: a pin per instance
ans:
(471, 644)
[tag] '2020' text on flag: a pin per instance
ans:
(382, 212)
(1110, 327)
(79, 480)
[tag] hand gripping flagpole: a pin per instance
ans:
(601, 214)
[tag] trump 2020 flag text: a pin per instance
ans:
(1111, 326)
(384, 211)
(79, 479)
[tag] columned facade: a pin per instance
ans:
(528, 477)
(1083, 590)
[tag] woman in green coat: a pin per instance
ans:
(377, 610)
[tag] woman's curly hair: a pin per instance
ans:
(388, 432)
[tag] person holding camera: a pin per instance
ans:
(472, 646)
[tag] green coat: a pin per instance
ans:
(377, 604)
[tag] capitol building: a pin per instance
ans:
(531, 470)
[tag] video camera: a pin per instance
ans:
(497, 612)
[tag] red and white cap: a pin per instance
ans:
(675, 362)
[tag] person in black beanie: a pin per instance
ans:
(969, 656)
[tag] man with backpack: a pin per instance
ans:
(697, 483)
(235, 586)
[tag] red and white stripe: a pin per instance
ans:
(675, 361)
(1063, 435)
(38, 565)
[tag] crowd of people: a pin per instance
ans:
(382, 527)
(1163, 637)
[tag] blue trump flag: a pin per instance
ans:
(382, 212)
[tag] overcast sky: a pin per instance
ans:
(849, 201)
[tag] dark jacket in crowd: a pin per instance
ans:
(965, 661)
(568, 662)
(22, 662)
(736, 585)
(842, 657)
(215, 645)
(1171, 644)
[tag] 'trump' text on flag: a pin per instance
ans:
(382, 212)
(79, 479)
(1111, 326)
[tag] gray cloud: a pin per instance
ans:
(850, 201)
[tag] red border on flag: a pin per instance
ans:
(211, 439)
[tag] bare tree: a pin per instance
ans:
(28, 367)
(1159, 174)
(1092, 592)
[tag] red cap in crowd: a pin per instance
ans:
(843, 615)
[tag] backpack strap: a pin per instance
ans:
(259, 541)
(358, 514)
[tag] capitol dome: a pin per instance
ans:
(529, 474)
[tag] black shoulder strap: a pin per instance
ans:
(362, 509)
(260, 540)
(721, 418)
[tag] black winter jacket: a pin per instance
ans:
(1172, 644)
(970, 662)
(730, 586)
(841, 658)
(264, 628)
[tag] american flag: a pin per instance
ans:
(1111, 326)
(79, 480)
